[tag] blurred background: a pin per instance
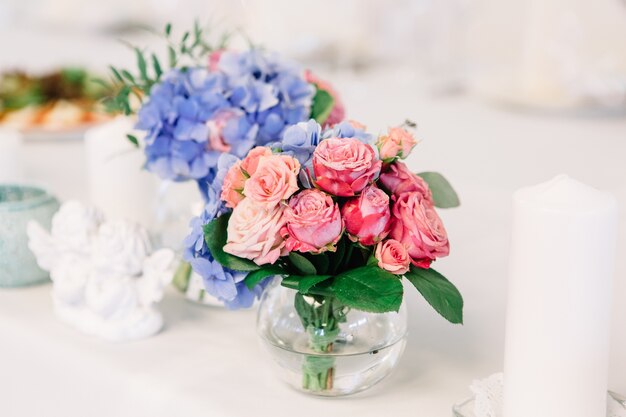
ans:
(506, 93)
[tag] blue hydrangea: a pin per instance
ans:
(300, 141)
(247, 101)
(345, 129)
(223, 283)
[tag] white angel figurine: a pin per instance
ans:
(106, 278)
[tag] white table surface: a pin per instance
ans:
(207, 361)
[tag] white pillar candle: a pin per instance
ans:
(10, 156)
(557, 335)
(117, 182)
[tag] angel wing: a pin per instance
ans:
(42, 245)
(158, 271)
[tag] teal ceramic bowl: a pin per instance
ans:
(18, 205)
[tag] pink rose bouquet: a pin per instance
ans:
(340, 219)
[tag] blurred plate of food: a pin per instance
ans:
(52, 106)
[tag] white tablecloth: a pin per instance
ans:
(207, 362)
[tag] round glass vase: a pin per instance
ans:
(321, 347)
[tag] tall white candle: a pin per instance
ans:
(561, 267)
(118, 184)
(10, 156)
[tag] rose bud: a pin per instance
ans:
(343, 167)
(274, 180)
(398, 179)
(367, 217)
(415, 223)
(392, 256)
(314, 222)
(397, 143)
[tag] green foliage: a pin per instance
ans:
(323, 104)
(191, 50)
(440, 293)
(321, 262)
(444, 195)
(308, 282)
(255, 277)
(215, 236)
(368, 288)
(302, 264)
(133, 139)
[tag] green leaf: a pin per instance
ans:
(215, 236)
(443, 193)
(133, 140)
(141, 64)
(255, 277)
(157, 67)
(320, 262)
(128, 76)
(368, 289)
(372, 261)
(323, 104)
(305, 283)
(302, 264)
(171, 56)
(168, 29)
(181, 276)
(116, 74)
(440, 293)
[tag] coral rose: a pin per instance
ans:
(254, 232)
(398, 179)
(392, 256)
(314, 222)
(344, 167)
(274, 180)
(367, 217)
(239, 172)
(397, 143)
(415, 223)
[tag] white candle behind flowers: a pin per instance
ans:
(118, 184)
(561, 267)
(10, 156)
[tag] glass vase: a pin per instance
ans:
(321, 347)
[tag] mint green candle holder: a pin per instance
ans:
(18, 205)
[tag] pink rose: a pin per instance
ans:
(214, 59)
(398, 179)
(343, 167)
(314, 222)
(274, 180)
(254, 232)
(338, 111)
(415, 223)
(216, 126)
(397, 143)
(235, 179)
(392, 256)
(368, 217)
